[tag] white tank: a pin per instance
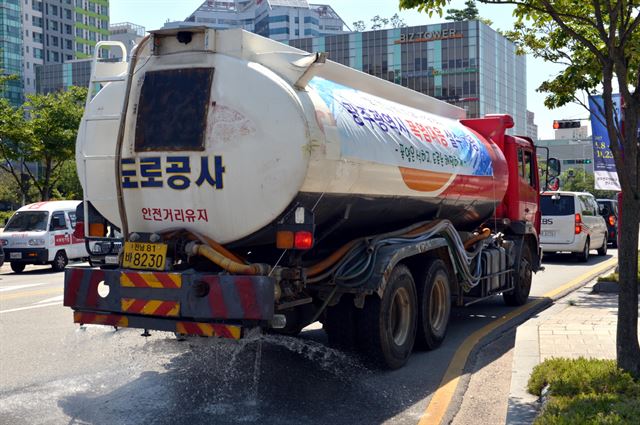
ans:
(226, 132)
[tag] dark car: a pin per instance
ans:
(609, 210)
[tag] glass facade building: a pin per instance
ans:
(279, 20)
(467, 64)
(11, 50)
(60, 76)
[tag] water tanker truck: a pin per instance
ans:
(258, 186)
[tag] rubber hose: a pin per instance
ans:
(318, 268)
(486, 232)
(229, 265)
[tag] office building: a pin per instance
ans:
(60, 31)
(532, 128)
(280, 20)
(54, 77)
(572, 133)
(11, 50)
(127, 33)
(465, 63)
(572, 153)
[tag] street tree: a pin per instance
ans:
(378, 22)
(598, 42)
(469, 13)
(42, 131)
(578, 180)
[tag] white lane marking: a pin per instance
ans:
(14, 287)
(57, 298)
(29, 308)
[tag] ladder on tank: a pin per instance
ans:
(102, 73)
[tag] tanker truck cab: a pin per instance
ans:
(41, 233)
(355, 202)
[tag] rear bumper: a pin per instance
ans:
(575, 246)
(186, 303)
(27, 255)
(612, 234)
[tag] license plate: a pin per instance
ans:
(548, 233)
(144, 256)
(15, 255)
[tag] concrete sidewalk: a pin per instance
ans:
(582, 324)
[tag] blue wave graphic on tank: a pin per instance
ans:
(364, 137)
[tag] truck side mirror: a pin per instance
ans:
(554, 167)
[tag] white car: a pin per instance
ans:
(42, 233)
(571, 222)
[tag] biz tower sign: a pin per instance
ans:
(422, 37)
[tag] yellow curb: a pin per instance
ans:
(440, 401)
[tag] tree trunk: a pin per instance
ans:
(627, 346)
(46, 186)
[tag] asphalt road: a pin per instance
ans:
(53, 372)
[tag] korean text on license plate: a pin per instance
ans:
(144, 256)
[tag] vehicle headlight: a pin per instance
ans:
(97, 248)
(4, 242)
(36, 242)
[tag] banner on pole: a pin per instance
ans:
(604, 167)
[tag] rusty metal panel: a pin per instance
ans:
(173, 108)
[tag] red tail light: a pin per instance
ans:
(612, 220)
(578, 224)
(303, 240)
(78, 231)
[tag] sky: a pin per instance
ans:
(152, 14)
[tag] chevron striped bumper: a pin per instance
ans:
(187, 303)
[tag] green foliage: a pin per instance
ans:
(378, 22)
(68, 186)
(570, 377)
(614, 277)
(578, 180)
(469, 13)
(41, 131)
(586, 391)
(591, 409)
(4, 216)
(9, 190)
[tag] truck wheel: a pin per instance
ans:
(387, 327)
(602, 251)
(17, 267)
(583, 256)
(59, 261)
(339, 324)
(522, 285)
(434, 304)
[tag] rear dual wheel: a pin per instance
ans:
(434, 301)
(386, 327)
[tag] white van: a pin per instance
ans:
(571, 222)
(42, 233)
